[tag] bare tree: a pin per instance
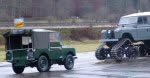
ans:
(145, 5)
(65, 8)
(101, 14)
(99, 10)
(5, 10)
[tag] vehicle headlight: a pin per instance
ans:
(109, 31)
(109, 34)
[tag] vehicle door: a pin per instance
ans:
(128, 25)
(56, 50)
(54, 45)
(143, 28)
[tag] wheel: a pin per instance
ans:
(147, 44)
(132, 52)
(120, 49)
(142, 51)
(18, 69)
(43, 64)
(100, 54)
(69, 62)
(118, 55)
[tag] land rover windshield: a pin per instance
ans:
(128, 20)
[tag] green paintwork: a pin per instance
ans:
(24, 47)
(19, 57)
(55, 52)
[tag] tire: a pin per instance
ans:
(119, 56)
(142, 51)
(133, 52)
(18, 69)
(147, 44)
(100, 54)
(43, 64)
(69, 62)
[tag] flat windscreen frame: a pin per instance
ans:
(54, 37)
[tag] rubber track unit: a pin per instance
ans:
(119, 45)
(98, 54)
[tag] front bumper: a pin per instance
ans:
(108, 40)
(75, 57)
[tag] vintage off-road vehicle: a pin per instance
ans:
(37, 48)
(130, 39)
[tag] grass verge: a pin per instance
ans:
(2, 56)
(83, 46)
(2, 53)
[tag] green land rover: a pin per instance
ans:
(38, 48)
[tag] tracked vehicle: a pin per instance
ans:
(129, 40)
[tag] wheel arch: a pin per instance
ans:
(127, 35)
(45, 54)
(67, 53)
(70, 52)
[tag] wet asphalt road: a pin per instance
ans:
(87, 66)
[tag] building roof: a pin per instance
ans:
(138, 14)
